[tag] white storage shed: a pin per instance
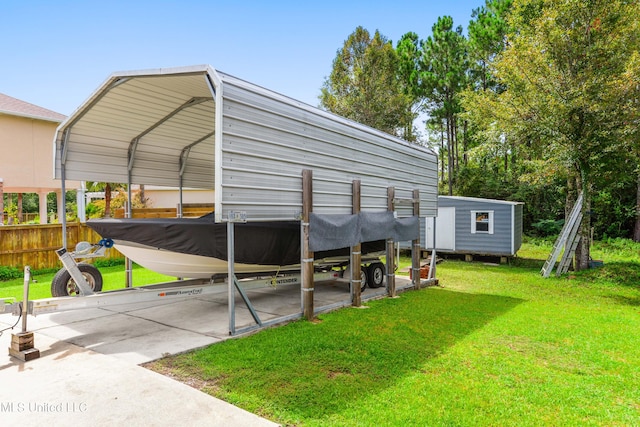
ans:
(475, 226)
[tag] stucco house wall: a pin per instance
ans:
(26, 151)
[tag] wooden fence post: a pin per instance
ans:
(306, 254)
(390, 254)
(415, 246)
(356, 251)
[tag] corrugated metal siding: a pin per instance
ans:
(269, 139)
(498, 243)
(262, 142)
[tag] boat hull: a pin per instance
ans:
(177, 264)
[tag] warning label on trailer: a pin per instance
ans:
(181, 293)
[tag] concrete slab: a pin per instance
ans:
(70, 385)
(88, 372)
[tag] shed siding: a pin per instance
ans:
(517, 228)
(498, 243)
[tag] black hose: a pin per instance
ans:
(15, 324)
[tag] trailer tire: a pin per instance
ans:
(63, 284)
(363, 277)
(375, 275)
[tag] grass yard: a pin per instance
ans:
(492, 346)
(113, 278)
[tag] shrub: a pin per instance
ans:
(9, 273)
(547, 227)
(108, 262)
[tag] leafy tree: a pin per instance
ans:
(487, 30)
(487, 39)
(630, 85)
(408, 50)
(443, 66)
(562, 71)
(107, 187)
(364, 84)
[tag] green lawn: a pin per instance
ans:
(113, 278)
(492, 346)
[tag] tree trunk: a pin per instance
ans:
(464, 144)
(636, 230)
(569, 202)
(143, 199)
(571, 197)
(107, 201)
(450, 156)
(583, 254)
(454, 130)
(441, 152)
(20, 216)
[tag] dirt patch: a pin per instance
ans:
(166, 367)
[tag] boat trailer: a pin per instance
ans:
(84, 283)
(78, 285)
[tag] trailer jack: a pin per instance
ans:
(79, 278)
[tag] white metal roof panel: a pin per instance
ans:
(205, 129)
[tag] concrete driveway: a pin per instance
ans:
(89, 372)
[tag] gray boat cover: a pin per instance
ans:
(327, 232)
(267, 243)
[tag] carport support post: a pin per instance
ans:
(306, 264)
(390, 254)
(128, 265)
(415, 244)
(231, 276)
(62, 215)
(356, 251)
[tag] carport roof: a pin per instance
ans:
(151, 124)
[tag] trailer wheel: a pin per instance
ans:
(363, 277)
(375, 277)
(63, 284)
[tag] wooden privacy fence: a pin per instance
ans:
(35, 245)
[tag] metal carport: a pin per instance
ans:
(197, 127)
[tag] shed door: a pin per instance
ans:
(445, 230)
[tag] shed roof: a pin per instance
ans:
(15, 107)
(481, 200)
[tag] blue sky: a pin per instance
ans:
(55, 53)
